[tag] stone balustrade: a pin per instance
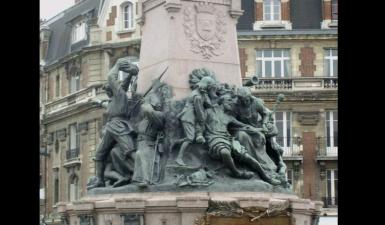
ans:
(78, 97)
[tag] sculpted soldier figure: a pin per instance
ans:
(119, 169)
(149, 140)
(193, 115)
(118, 130)
(222, 146)
(273, 149)
(252, 111)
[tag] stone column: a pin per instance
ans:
(185, 35)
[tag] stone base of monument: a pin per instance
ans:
(192, 177)
(191, 208)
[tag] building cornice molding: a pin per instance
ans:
(86, 50)
(69, 112)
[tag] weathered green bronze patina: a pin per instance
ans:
(220, 138)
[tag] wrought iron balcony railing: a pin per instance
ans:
(274, 83)
(330, 202)
(330, 82)
(327, 146)
(292, 146)
(72, 154)
(295, 83)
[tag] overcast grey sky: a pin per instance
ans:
(50, 8)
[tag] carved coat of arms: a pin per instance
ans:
(205, 27)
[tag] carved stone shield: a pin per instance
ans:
(205, 25)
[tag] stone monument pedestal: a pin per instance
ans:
(186, 35)
(191, 208)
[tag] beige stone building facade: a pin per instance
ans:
(292, 50)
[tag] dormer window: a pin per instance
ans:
(128, 16)
(272, 10)
(272, 14)
(78, 32)
(334, 10)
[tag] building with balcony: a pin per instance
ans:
(290, 45)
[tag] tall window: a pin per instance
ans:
(334, 9)
(73, 193)
(283, 123)
(73, 136)
(331, 62)
(289, 174)
(56, 146)
(128, 16)
(272, 10)
(56, 190)
(57, 84)
(273, 63)
(75, 82)
(78, 32)
(331, 132)
(332, 186)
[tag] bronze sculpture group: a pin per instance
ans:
(229, 124)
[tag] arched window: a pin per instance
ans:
(128, 16)
(73, 190)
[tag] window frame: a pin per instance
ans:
(331, 149)
(74, 80)
(79, 32)
(328, 60)
(57, 85)
(73, 185)
(291, 172)
(334, 10)
(333, 191)
(287, 141)
(77, 136)
(282, 59)
(130, 16)
(271, 13)
(56, 190)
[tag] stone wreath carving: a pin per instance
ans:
(233, 210)
(204, 25)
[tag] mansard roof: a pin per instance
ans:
(60, 27)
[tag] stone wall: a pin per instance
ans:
(316, 46)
